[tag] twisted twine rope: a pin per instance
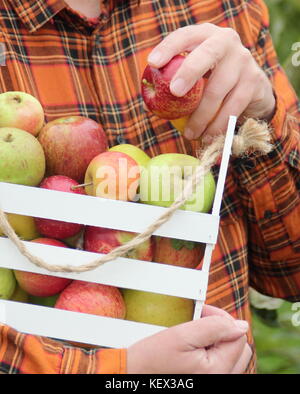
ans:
(253, 136)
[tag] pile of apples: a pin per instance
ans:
(72, 154)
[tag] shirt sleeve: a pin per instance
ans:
(270, 184)
(29, 354)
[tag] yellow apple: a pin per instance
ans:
(24, 226)
(133, 151)
(157, 309)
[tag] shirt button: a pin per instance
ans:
(268, 214)
(121, 140)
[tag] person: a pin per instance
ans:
(87, 58)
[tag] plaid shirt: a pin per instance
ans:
(75, 68)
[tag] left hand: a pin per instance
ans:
(237, 85)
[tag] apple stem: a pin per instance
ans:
(82, 185)
(145, 82)
(8, 138)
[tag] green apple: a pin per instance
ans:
(22, 159)
(158, 309)
(43, 301)
(165, 177)
(133, 151)
(19, 295)
(7, 283)
(21, 110)
(24, 226)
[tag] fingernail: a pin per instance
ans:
(189, 134)
(242, 325)
(155, 58)
(178, 87)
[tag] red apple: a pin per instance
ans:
(93, 298)
(113, 175)
(177, 252)
(22, 111)
(70, 144)
(103, 240)
(158, 97)
(55, 228)
(38, 284)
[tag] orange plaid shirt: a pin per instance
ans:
(77, 68)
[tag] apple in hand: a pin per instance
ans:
(70, 144)
(22, 159)
(158, 309)
(113, 175)
(24, 226)
(178, 252)
(22, 111)
(133, 151)
(165, 177)
(104, 240)
(93, 298)
(55, 228)
(39, 284)
(158, 97)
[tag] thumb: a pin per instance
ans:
(210, 330)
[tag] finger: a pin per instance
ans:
(235, 104)
(224, 356)
(181, 40)
(243, 361)
(197, 63)
(215, 92)
(210, 310)
(210, 330)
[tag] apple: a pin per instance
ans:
(113, 175)
(22, 111)
(158, 97)
(56, 228)
(180, 123)
(41, 285)
(158, 309)
(164, 179)
(19, 295)
(7, 283)
(43, 301)
(24, 226)
(178, 252)
(70, 143)
(133, 151)
(103, 240)
(22, 159)
(93, 298)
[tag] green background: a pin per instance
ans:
(277, 339)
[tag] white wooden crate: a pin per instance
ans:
(122, 272)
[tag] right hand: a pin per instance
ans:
(216, 343)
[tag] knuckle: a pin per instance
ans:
(211, 92)
(212, 53)
(245, 56)
(231, 35)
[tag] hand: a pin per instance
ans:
(236, 86)
(216, 343)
